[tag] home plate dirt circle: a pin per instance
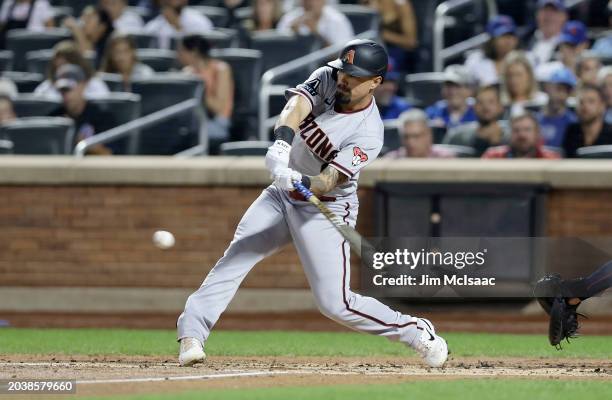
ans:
(126, 375)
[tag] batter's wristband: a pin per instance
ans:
(306, 181)
(284, 133)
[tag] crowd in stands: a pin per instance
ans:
(538, 89)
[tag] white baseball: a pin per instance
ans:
(163, 239)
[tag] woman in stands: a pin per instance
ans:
(218, 81)
(518, 83)
(399, 31)
(266, 14)
(34, 15)
(67, 52)
(486, 65)
(92, 33)
(120, 58)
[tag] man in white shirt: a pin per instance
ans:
(176, 19)
(551, 17)
(34, 15)
(314, 17)
(124, 20)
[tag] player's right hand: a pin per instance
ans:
(277, 157)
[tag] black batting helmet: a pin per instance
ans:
(362, 58)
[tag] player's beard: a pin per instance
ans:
(342, 98)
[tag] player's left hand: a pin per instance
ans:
(284, 178)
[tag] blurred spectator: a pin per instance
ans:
(34, 15)
(457, 107)
(604, 78)
(92, 32)
(591, 128)
(120, 58)
(89, 119)
(67, 52)
(123, 19)
(550, 19)
(587, 68)
(266, 14)
(322, 21)
(603, 45)
(572, 43)
(399, 31)
(485, 66)
(174, 19)
(218, 81)
(487, 131)
(231, 6)
(390, 105)
(556, 116)
(8, 88)
(525, 141)
(519, 86)
(416, 138)
(7, 113)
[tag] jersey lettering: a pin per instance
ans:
(317, 140)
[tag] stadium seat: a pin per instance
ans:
(246, 148)
(278, 48)
(6, 146)
(603, 151)
(424, 89)
(246, 70)
(60, 13)
(144, 40)
(39, 135)
(460, 151)
(220, 38)
(217, 15)
(162, 91)
(26, 81)
(362, 18)
(124, 107)
(22, 41)
(554, 149)
(77, 6)
(158, 59)
(29, 105)
(38, 60)
(6, 60)
(391, 138)
(113, 81)
(243, 13)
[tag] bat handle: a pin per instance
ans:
(303, 190)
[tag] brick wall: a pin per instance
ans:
(101, 235)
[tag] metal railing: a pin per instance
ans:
(140, 123)
(440, 53)
(267, 80)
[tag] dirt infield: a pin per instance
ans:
(132, 375)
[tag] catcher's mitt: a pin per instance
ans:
(563, 316)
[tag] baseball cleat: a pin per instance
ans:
(191, 352)
(432, 348)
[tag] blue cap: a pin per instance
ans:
(563, 75)
(574, 33)
(558, 4)
(501, 25)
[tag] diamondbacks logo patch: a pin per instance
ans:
(359, 156)
(349, 57)
(312, 86)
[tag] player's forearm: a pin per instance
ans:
(326, 181)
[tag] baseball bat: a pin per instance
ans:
(355, 240)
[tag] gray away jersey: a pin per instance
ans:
(346, 141)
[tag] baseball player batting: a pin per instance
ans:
(328, 131)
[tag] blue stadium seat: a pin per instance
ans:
(144, 40)
(124, 107)
(29, 105)
(362, 18)
(113, 81)
(22, 41)
(6, 60)
(39, 135)
(158, 59)
(220, 38)
(26, 82)
(245, 148)
(424, 89)
(38, 60)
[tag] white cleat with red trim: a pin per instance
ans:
(191, 352)
(432, 348)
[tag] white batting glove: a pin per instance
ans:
(277, 157)
(284, 178)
